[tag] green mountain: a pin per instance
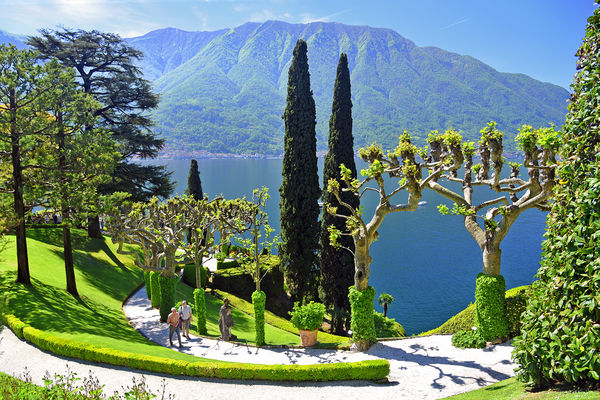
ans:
(224, 91)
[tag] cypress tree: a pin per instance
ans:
(194, 185)
(299, 191)
(337, 265)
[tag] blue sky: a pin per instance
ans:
(535, 37)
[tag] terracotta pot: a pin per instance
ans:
(308, 338)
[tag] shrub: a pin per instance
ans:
(308, 317)
(363, 370)
(189, 275)
(154, 289)
(490, 317)
(167, 295)
(387, 327)
(258, 301)
(226, 264)
(362, 324)
(147, 284)
(468, 339)
(200, 303)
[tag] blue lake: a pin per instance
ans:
(427, 261)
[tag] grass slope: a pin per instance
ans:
(104, 280)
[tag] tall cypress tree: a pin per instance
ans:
(299, 208)
(194, 185)
(337, 265)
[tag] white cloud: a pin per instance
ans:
(462, 21)
(307, 18)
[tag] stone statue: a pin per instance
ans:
(226, 321)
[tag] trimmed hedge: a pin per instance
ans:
(516, 300)
(226, 264)
(154, 289)
(363, 370)
(189, 275)
(490, 306)
(147, 284)
(167, 295)
(362, 323)
(200, 303)
(258, 301)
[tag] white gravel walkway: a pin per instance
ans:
(421, 368)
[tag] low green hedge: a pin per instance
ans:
(226, 264)
(189, 275)
(516, 300)
(363, 370)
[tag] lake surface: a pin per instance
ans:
(427, 261)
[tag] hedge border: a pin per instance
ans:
(363, 370)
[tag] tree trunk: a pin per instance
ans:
(94, 230)
(69, 268)
(19, 205)
(385, 309)
(491, 260)
(362, 262)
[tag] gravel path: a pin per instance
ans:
(421, 368)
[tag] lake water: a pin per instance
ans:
(427, 261)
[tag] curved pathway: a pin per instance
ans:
(421, 368)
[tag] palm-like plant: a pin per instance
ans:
(385, 299)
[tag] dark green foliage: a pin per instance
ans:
(105, 65)
(362, 326)
(469, 339)
(490, 318)
(258, 301)
(299, 209)
(516, 299)
(189, 275)
(222, 264)
(308, 317)
(387, 327)
(147, 284)
(194, 185)
(337, 265)
(200, 303)
(561, 325)
(167, 295)
(154, 289)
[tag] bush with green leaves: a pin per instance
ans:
(362, 324)
(469, 339)
(387, 327)
(490, 318)
(167, 295)
(189, 275)
(200, 303)
(147, 284)
(154, 289)
(561, 326)
(309, 316)
(258, 301)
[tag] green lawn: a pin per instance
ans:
(511, 389)
(104, 279)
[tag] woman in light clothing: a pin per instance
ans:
(185, 313)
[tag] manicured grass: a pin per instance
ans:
(326, 340)
(104, 279)
(511, 389)
(243, 322)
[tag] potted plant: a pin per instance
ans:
(308, 319)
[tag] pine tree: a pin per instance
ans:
(560, 332)
(105, 66)
(194, 184)
(337, 265)
(299, 208)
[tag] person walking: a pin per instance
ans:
(185, 313)
(173, 320)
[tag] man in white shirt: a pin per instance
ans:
(185, 312)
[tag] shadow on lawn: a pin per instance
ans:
(52, 309)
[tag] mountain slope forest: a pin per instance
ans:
(224, 91)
